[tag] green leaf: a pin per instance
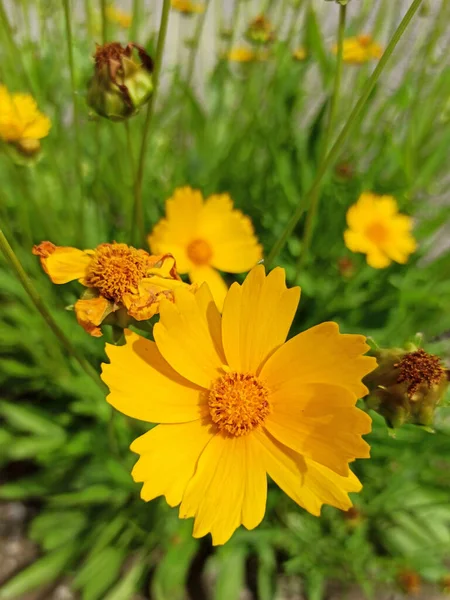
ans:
(95, 494)
(30, 419)
(231, 577)
(99, 572)
(129, 583)
(42, 572)
(57, 528)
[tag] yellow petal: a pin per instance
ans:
(230, 235)
(143, 386)
(358, 242)
(320, 355)
(63, 264)
(321, 422)
(214, 281)
(174, 233)
(378, 259)
(186, 336)
(228, 489)
(37, 129)
(169, 456)
(256, 318)
(91, 313)
(308, 483)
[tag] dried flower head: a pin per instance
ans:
(122, 83)
(407, 386)
(120, 279)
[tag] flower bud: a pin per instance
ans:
(407, 385)
(121, 83)
(260, 31)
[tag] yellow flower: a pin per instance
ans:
(360, 49)
(115, 15)
(187, 7)
(243, 55)
(236, 403)
(299, 54)
(377, 229)
(204, 236)
(21, 123)
(119, 278)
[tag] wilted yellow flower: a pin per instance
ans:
(299, 54)
(122, 81)
(236, 403)
(360, 49)
(187, 7)
(115, 15)
(260, 31)
(378, 230)
(205, 235)
(21, 123)
(119, 279)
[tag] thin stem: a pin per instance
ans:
(138, 206)
(129, 146)
(352, 119)
(314, 206)
(34, 296)
(103, 11)
(76, 114)
(196, 43)
(136, 19)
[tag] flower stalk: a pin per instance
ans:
(351, 121)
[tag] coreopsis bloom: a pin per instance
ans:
(206, 235)
(407, 385)
(377, 229)
(187, 7)
(243, 54)
(360, 49)
(21, 122)
(122, 83)
(235, 402)
(115, 15)
(260, 31)
(299, 54)
(119, 278)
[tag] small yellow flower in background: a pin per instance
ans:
(118, 278)
(378, 230)
(187, 7)
(236, 403)
(299, 54)
(205, 235)
(260, 31)
(360, 49)
(21, 122)
(243, 54)
(115, 15)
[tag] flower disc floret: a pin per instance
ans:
(238, 402)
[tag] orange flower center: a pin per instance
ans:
(117, 269)
(200, 252)
(238, 403)
(377, 232)
(365, 40)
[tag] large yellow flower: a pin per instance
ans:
(360, 49)
(118, 278)
(378, 230)
(21, 123)
(204, 236)
(187, 7)
(236, 403)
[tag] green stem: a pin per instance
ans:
(129, 146)
(103, 7)
(196, 42)
(15, 49)
(34, 296)
(314, 206)
(135, 20)
(138, 206)
(352, 119)
(76, 115)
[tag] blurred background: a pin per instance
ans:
(72, 524)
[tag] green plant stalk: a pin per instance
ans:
(88, 15)
(76, 116)
(34, 296)
(196, 42)
(135, 19)
(352, 119)
(315, 199)
(103, 7)
(15, 49)
(138, 205)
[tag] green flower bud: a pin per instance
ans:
(260, 31)
(121, 84)
(407, 385)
